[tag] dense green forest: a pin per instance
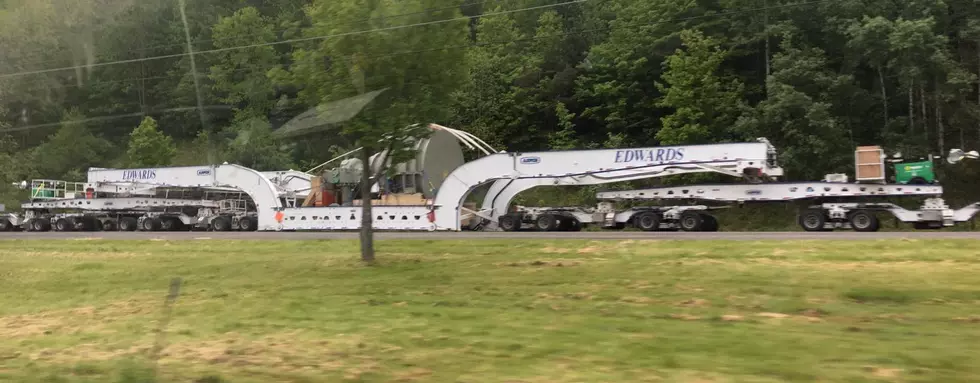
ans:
(113, 82)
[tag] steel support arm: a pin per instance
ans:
(516, 172)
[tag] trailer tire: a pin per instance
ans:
(110, 225)
(5, 225)
(863, 221)
(509, 222)
(691, 221)
(221, 224)
(570, 224)
(812, 220)
(546, 222)
(128, 224)
(94, 225)
(710, 222)
(171, 224)
(246, 224)
(40, 225)
(152, 224)
(649, 221)
(63, 225)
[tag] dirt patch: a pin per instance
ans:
(85, 255)
(87, 318)
(539, 263)
(88, 352)
(882, 372)
(773, 315)
(553, 250)
(696, 302)
(779, 252)
(412, 375)
(638, 300)
(732, 318)
(288, 351)
(969, 319)
(588, 250)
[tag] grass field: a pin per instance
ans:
(492, 311)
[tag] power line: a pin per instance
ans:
(27, 73)
(362, 21)
(483, 44)
(475, 45)
(108, 118)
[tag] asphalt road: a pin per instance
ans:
(614, 235)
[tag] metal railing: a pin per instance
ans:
(56, 189)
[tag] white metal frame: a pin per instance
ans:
(110, 204)
(513, 173)
(772, 192)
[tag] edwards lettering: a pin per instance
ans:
(649, 155)
(143, 174)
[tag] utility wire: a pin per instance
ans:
(475, 45)
(314, 38)
(363, 21)
(480, 44)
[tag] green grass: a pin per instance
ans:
(492, 311)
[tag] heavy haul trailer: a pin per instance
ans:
(839, 204)
(831, 205)
(753, 162)
(436, 183)
(447, 180)
(70, 206)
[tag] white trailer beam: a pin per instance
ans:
(264, 193)
(632, 164)
(516, 172)
(772, 192)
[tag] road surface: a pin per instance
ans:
(615, 235)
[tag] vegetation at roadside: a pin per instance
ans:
(531, 311)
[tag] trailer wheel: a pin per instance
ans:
(812, 220)
(109, 225)
(128, 224)
(691, 221)
(40, 225)
(246, 224)
(509, 222)
(94, 225)
(570, 224)
(710, 222)
(63, 225)
(649, 221)
(546, 222)
(171, 224)
(5, 225)
(152, 224)
(221, 224)
(863, 220)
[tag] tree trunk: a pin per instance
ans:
(940, 131)
(925, 114)
(765, 17)
(884, 99)
(911, 116)
(367, 232)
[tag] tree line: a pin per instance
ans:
(147, 83)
